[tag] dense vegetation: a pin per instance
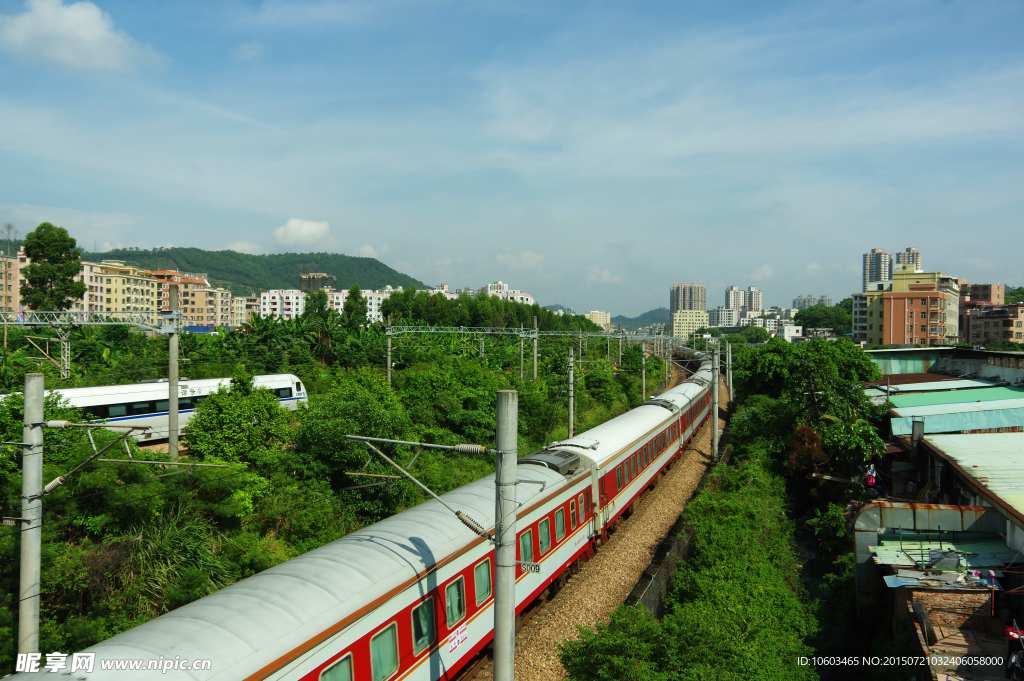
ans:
(839, 317)
(124, 543)
(739, 608)
(1014, 295)
(243, 273)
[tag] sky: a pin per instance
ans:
(590, 153)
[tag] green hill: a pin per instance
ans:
(659, 316)
(242, 273)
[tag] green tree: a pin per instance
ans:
(837, 318)
(50, 278)
(355, 305)
(241, 423)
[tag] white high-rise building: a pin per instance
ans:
(733, 298)
(724, 316)
(912, 257)
(877, 266)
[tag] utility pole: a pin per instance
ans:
(714, 405)
(31, 515)
(643, 373)
(505, 535)
(389, 349)
(728, 369)
(620, 343)
(172, 374)
(534, 348)
(520, 359)
(572, 416)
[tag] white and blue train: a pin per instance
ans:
(146, 403)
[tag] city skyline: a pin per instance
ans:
(331, 126)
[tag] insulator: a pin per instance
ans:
(470, 449)
(471, 524)
(57, 424)
(54, 484)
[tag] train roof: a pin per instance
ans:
(250, 624)
(602, 443)
(152, 386)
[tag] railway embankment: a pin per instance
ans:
(607, 580)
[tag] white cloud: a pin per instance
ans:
(599, 276)
(814, 268)
(248, 52)
(368, 251)
(301, 233)
(80, 35)
(763, 273)
(246, 247)
(524, 262)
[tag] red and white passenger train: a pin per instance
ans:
(411, 597)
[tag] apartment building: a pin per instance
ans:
(10, 286)
(602, 319)
(877, 266)
(910, 309)
(724, 316)
(686, 322)
(497, 288)
(283, 303)
(750, 298)
(111, 286)
(242, 309)
(995, 324)
(688, 297)
(804, 302)
(912, 258)
(993, 294)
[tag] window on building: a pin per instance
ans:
(384, 653)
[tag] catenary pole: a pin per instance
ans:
(620, 344)
(643, 372)
(572, 416)
(714, 404)
(31, 515)
(172, 374)
(520, 359)
(389, 349)
(728, 368)
(535, 347)
(505, 535)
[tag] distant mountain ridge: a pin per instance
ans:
(658, 316)
(244, 274)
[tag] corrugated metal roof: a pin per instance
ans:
(958, 396)
(960, 416)
(962, 384)
(976, 549)
(996, 460)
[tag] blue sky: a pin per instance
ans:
(591, 153)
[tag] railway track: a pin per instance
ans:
(597, 587)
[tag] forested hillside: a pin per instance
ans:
(244, 274)
(658, 316)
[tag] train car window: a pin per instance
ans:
(526, 546)
(455, 601)
(339, 671)
(482, 579)
(588, 498)
(384, 653)
(298, 386)
(118, 410)
(583, 508)
(198, 398)
(544, 536)
(618, 477)
(162, 405)
(97, 412)
(184, 403)
(422, 626)
(142, 408)
(559, 524)
(636, 468)
(572, 514)
(628, 469)
(284, 392)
